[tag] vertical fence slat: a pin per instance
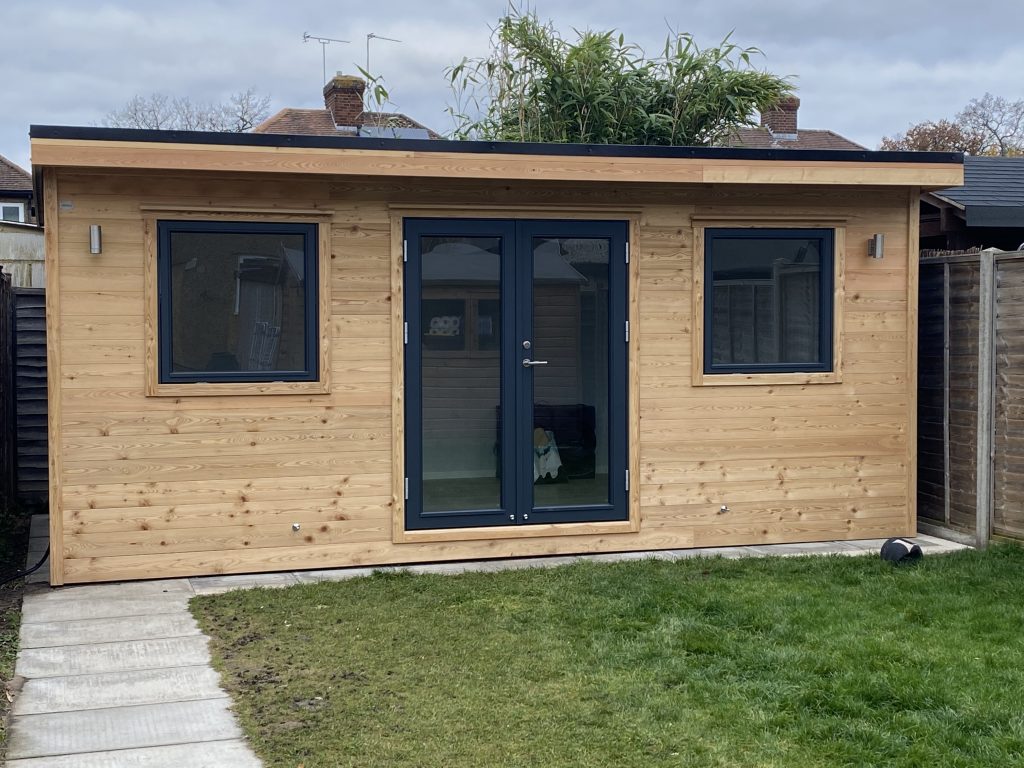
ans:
(986, 363)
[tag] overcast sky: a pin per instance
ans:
(863, 69)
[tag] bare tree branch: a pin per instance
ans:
(241, 112)
(1001, 122)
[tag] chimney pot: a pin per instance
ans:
(782, 119)
(343, 96)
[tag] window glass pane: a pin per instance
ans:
(461, 372)
(238, 302)
(571, 278)
(10, 212)
(765, 301)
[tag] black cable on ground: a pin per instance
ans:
(26, 572)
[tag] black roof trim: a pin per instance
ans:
(484, 147)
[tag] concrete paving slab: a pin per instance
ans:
(50, 634)
(95, 730)
(808, 548)
(210, 754)
(129, 589)
(112, 657)
(336, 574)
(71, 610)
(39, 526)
(117, 689)
(212, 585)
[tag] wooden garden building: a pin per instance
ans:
(270, 352)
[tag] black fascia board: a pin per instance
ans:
(88, 133)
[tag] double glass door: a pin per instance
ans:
(516, 372)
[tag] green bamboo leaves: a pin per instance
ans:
(537, 86)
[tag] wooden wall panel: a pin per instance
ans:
(212, 484)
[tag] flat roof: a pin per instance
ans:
(78, 146)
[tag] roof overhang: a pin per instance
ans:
(424, 158)
(979, 214)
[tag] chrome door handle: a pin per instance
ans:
(528, 363)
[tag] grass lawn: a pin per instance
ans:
(765, 662)
(13, 540)
(10, 622)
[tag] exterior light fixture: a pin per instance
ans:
(876, 246)
(95, 239)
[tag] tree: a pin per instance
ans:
(537, 86)
(241, 112)
(1001, 122)
(990, 125)
(940, 136)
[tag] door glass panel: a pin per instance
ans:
(461, 372)
(570, 392)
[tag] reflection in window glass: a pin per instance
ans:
(769, 300)
(239, 303)
(460, 302)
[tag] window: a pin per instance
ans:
(768, 305)
(12, 212)
(237, 301)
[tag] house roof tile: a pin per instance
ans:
(806, 138)
(319, 122)
(992, 194)
(13, 177)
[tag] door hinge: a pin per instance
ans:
(406, 332)
(627, 252)
(407, 489)
(405, 250)
(627, 479)
(627, 331)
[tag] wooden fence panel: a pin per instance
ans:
(30, 405)
(964, 308)
(931, 395)
(7, 419)
(1008, 405)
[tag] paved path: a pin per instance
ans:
(119, 676)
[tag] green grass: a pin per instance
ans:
(13, 540)
(770, 662)
(10, 623)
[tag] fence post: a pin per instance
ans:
(986, 421)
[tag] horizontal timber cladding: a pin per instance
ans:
(172, 486)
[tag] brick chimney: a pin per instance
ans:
(782, 119)
(343, 96)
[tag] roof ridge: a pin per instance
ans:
(15, 167)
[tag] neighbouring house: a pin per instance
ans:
(344, 114)
(21, 254)
(987, 211)
(15, 193)
(779, 130)
(21, 241)
(295, 352)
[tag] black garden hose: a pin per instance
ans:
(26, 572)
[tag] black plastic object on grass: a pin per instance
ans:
(900, 551)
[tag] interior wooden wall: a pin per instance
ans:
(147, 487)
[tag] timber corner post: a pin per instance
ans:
(50, 209)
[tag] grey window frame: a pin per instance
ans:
(165, 228)
(826, 288)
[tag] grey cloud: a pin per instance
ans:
(864, 69)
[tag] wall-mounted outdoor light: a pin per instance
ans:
(95, 239)
(876, 246)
